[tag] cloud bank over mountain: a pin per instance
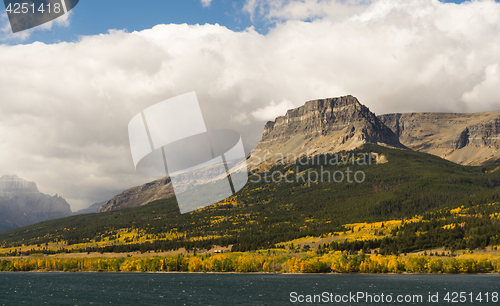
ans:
(65, 107)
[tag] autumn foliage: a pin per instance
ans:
(339, 262)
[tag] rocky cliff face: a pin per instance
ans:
(22, 204)
(321, 126)
(468, 139)
(140, 195)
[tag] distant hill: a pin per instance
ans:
(140, 195)
(22, 204)
(92, 209)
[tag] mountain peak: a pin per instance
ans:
(13, 183)
(10, 177)
(325, 126)
(315, 108)
(22, 204)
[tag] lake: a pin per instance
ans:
(246, 289)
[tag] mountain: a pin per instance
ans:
(289, 206)
(11, 216)
(343, 123)
(467, 139)
(320, 126)
(22, 204)
(92, 209)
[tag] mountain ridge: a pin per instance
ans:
(22, 204)
(343, 121)
(140, 195)
(324, 126)
(463, 138)
(338, 124)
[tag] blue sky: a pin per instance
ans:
(92, 17)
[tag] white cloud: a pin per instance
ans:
(273, 110)
(487, 93)
(64, 108)
(206, 3)
(241, 118)
(6, 34)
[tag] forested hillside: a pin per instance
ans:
(263, 215)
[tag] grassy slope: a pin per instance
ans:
(264, 214)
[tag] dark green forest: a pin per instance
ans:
(475, 230)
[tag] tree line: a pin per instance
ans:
(339, 262)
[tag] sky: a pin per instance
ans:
(69, 88)
(92, 17)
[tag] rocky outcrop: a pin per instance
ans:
(468, 139)
(323, 126)
(140, 195)
(326, 116)
(22, 204)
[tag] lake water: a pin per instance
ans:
(245, 289)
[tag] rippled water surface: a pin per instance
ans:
(243, 289)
